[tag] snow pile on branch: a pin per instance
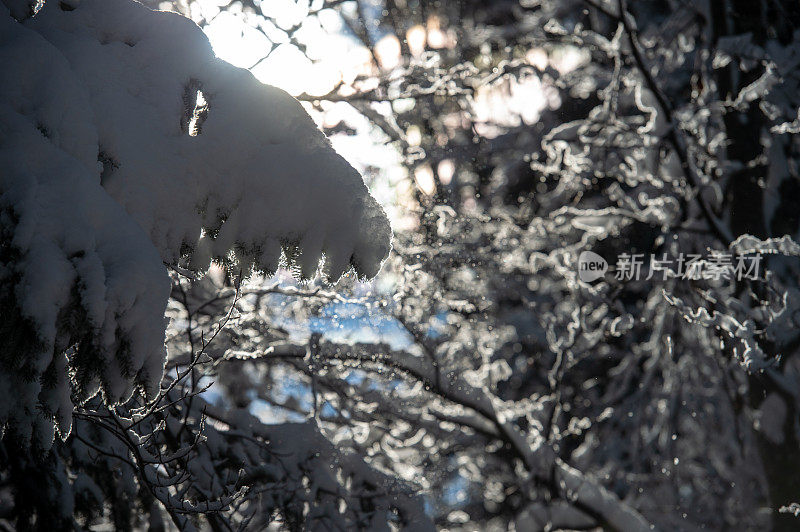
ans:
(125, 144)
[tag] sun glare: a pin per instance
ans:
(256, 43)
(335, 60)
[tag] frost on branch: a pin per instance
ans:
(125, 144)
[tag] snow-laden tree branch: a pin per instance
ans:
(538, 457)
(125, 144)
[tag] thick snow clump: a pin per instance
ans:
(126, 144)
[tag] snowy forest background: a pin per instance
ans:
(465, 380)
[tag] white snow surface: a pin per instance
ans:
(109, 169)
